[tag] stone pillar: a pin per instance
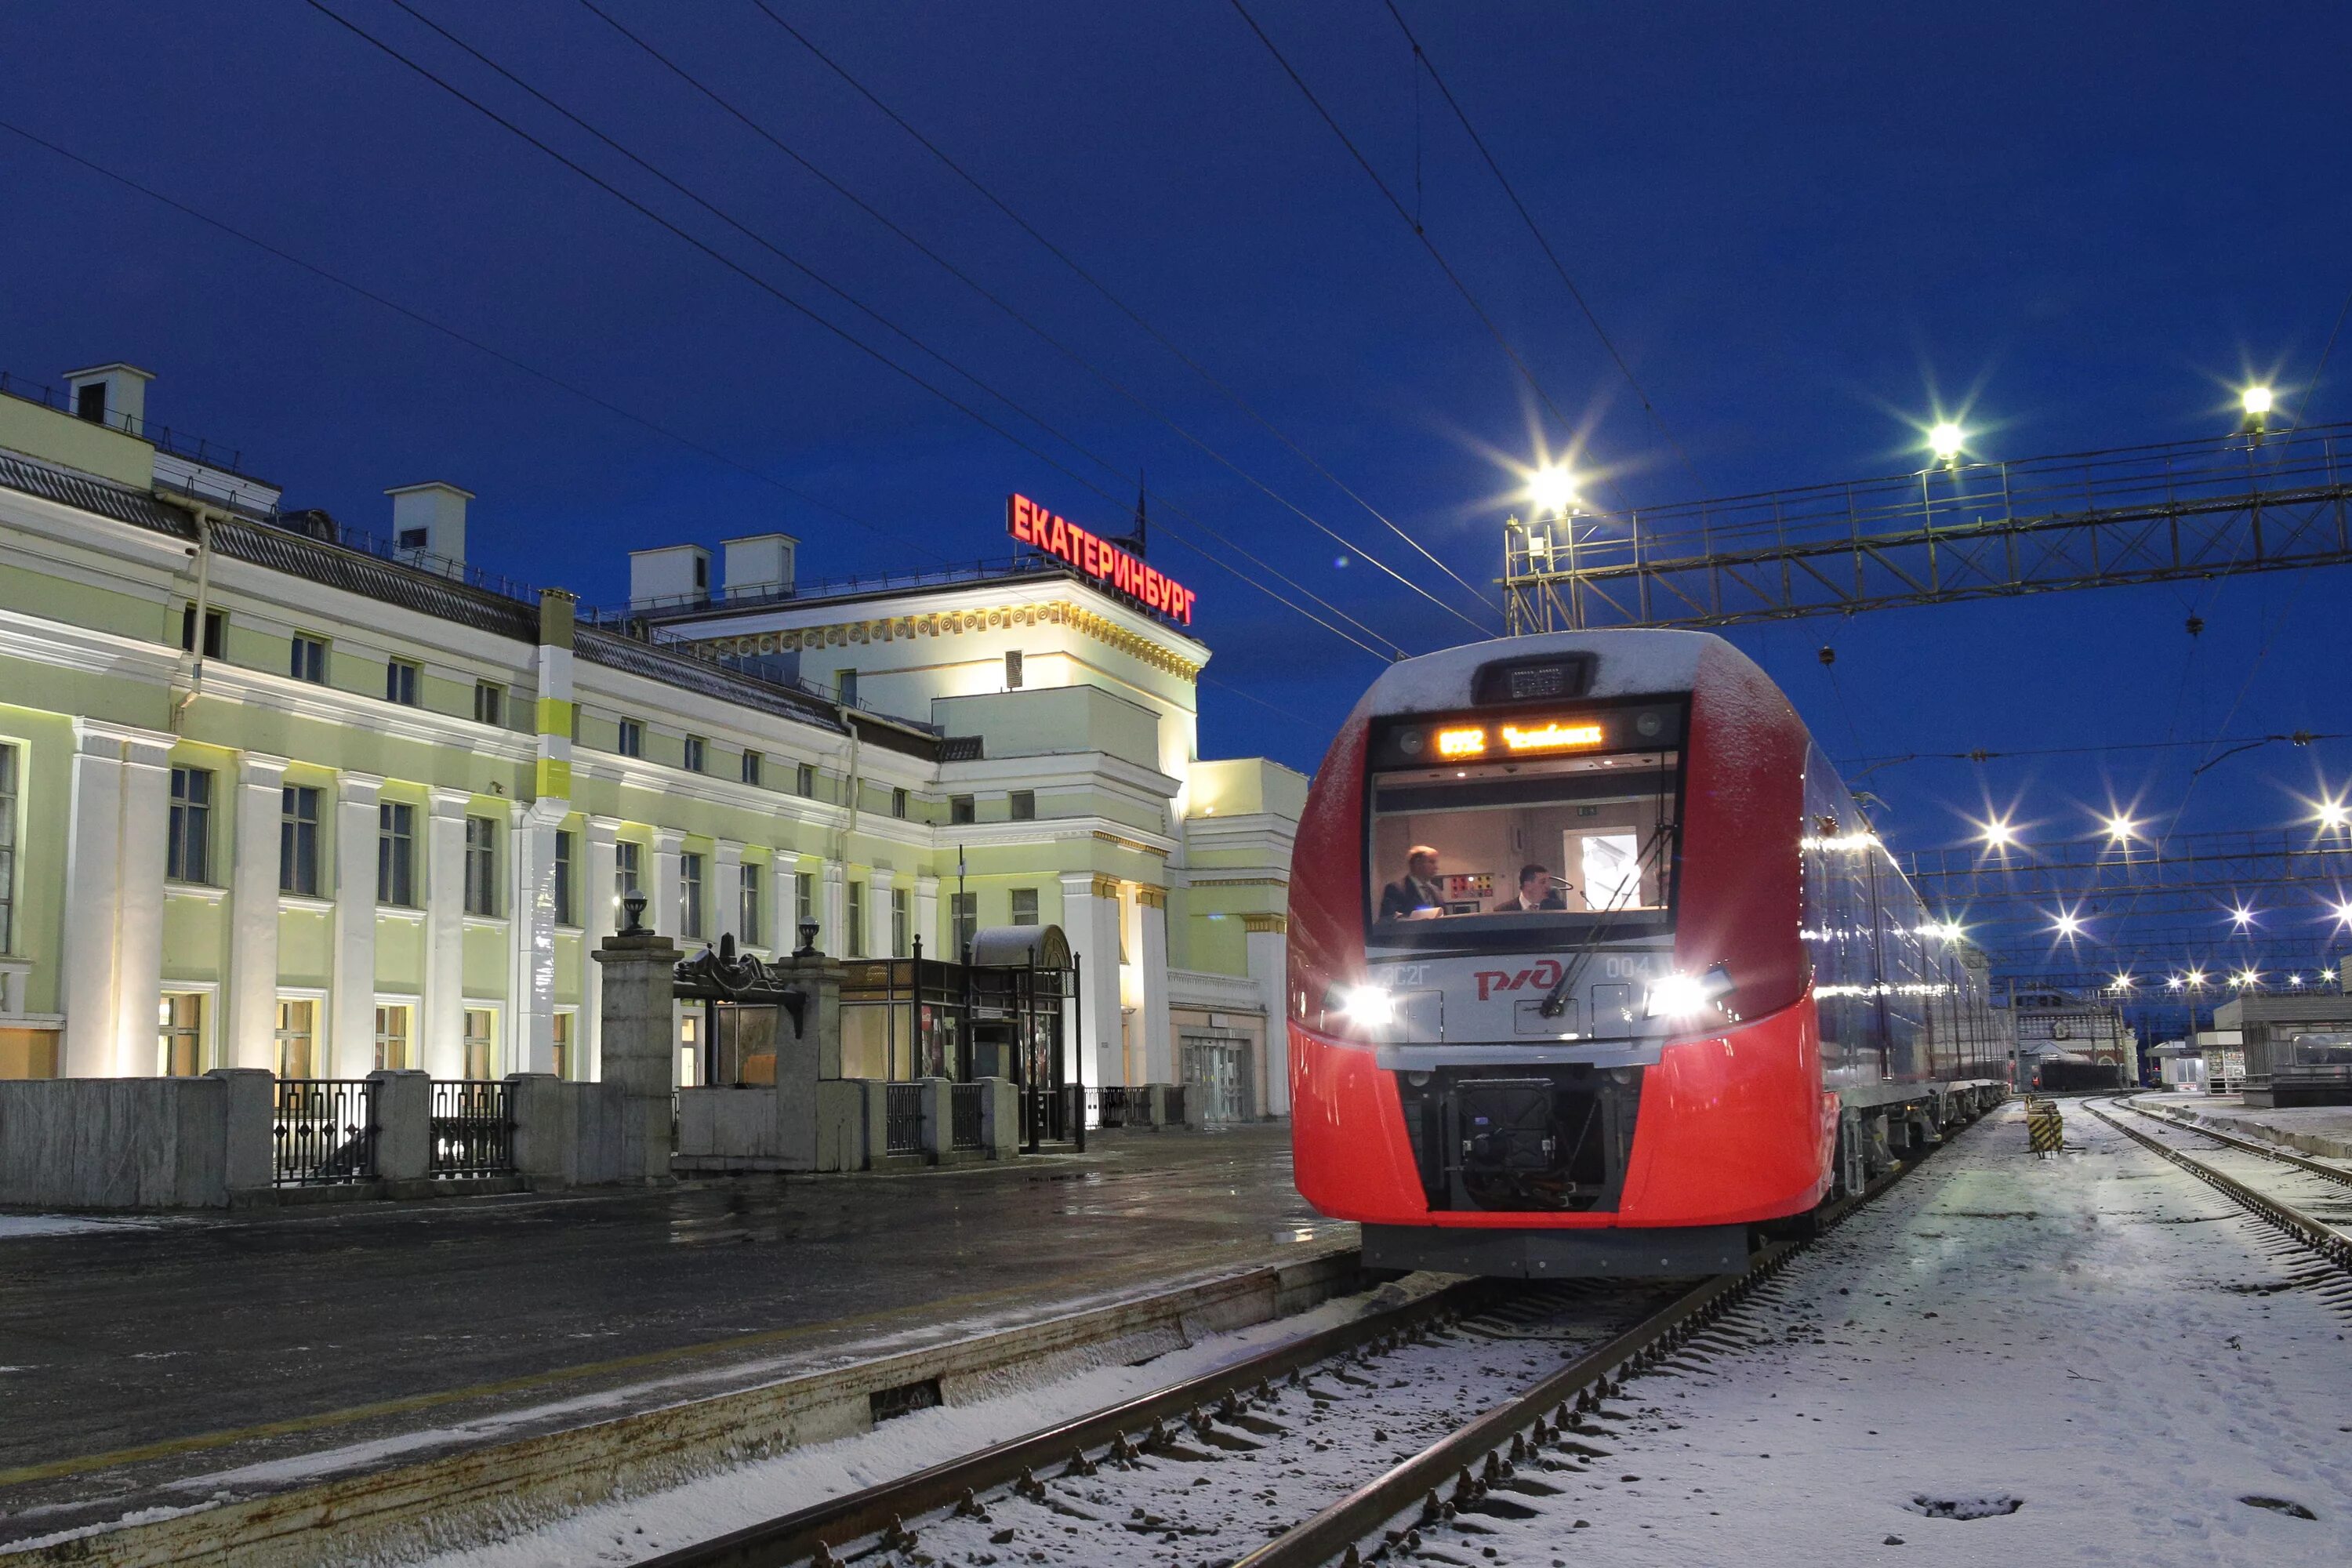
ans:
(726, 891)
(93, 901)
(546, 1128)
(1159, 1064)
(639, 1045)
(804, 1060)
(878, 883)
(350, 1028)
(927, 918)
(441, 1026)
(1090, 922)
(939, 1119)
(139, 935)
(834, 883)
(250, 1016)
(248, 1158)
(403, 1120)
(1000, 1117)
(531, 907)
(598, 920)
(1268, 945)
(662, 894)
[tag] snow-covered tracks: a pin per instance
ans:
(1355, 1440)
(2309, 1200)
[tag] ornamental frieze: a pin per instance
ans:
(952, 623)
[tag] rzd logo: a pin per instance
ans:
(1543, 976)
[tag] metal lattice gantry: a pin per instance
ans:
(2204, 507)
(2188, 870)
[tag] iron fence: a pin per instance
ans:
(1119, 1105)
(322, 1130)
(1172, 1106)
(473, 1128)
(964, 1115)
(902, 1117)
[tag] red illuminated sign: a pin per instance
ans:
(1099, 558)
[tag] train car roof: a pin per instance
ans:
(1626, 663)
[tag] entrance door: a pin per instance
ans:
(1216, 1069)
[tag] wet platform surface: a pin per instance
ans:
(134, 1355)
(2323, 1129)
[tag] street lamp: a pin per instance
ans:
(1998, 834)
(2241, 917)
(1552, 489)
(2256, 400)
(2121, 829)
(1945, 440)
(2067, 924)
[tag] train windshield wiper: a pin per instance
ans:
(1555, 1000)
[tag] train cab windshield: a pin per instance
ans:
(1519, 851)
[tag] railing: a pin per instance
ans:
(1171, 1105)
(322, 1131)
(963, 1115)
(1118, 1105)
(161, 436)
(473, 1131)
(902, 1117)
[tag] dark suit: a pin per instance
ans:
(1402, 897)
(1551, 900)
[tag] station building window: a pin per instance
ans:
(309, 659)
(188, 854)
(853, 946)
(392, 1037)
(481, 865)
(902, 927)
(845, 683)
(297, 1037)
(395, 854)
(689, 896)
(1024, 905)
(628, 859)
(1024, 804)
(631, 739)
(1012, 669)
(746, 911)
(697, 754)
(298, 840)
(179, 1034)
(481, 1030)
(803, 898)
(804, 780)
(751, 768)
(7, 848)
(215, 632)
(560, 1029)
(961, 810)
(566, 914)
(400, 683)
(898, 803)
(489, 702)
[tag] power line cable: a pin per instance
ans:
(1519, 362)
(1421, 58)
(459, 336)
(1118, 304)
(950, 399)
(944, 264)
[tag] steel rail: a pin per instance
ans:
(1336, 1532)
(2251, 1145)
(2328, 1242)
(810, 1532)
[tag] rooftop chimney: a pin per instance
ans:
(429, 520)
(673, 574)
(760, 565)
(114, 396)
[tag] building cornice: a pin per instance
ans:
(1177, 655)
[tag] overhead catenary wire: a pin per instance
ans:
(1419, 232)
(954, 271)
(457, 335)
(866, 348)
(1114, 300)
(1421, 60)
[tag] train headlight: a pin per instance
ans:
(1688, 996)
(1371, 1007)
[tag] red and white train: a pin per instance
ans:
(1595, 968)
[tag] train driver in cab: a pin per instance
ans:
(1415, 896)
(1536, 893)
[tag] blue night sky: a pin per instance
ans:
(1808, 229)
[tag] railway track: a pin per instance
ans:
(1453, 1406)
(2308, 1201)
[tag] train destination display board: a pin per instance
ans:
(1099, 558)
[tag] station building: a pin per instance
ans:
(277, 791)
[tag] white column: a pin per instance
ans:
(1159, 1064)
(727, 888)
(834, 941)
(783, 914)
(1268, 946)
(878, 883)
(598, 920)
(1090, 922)
(250, 1013)
(927, 916)
(531, 911)
(138, 936)
(351, 1033)
(93, 901)
(443, 1027)
(669, 844)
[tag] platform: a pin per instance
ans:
(2322, 1129)
(145, 1362)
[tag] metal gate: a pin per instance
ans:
(1217, 1070)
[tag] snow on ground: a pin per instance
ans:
(2099, 1338)
(13, 1226)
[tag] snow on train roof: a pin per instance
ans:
(1625, 664)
